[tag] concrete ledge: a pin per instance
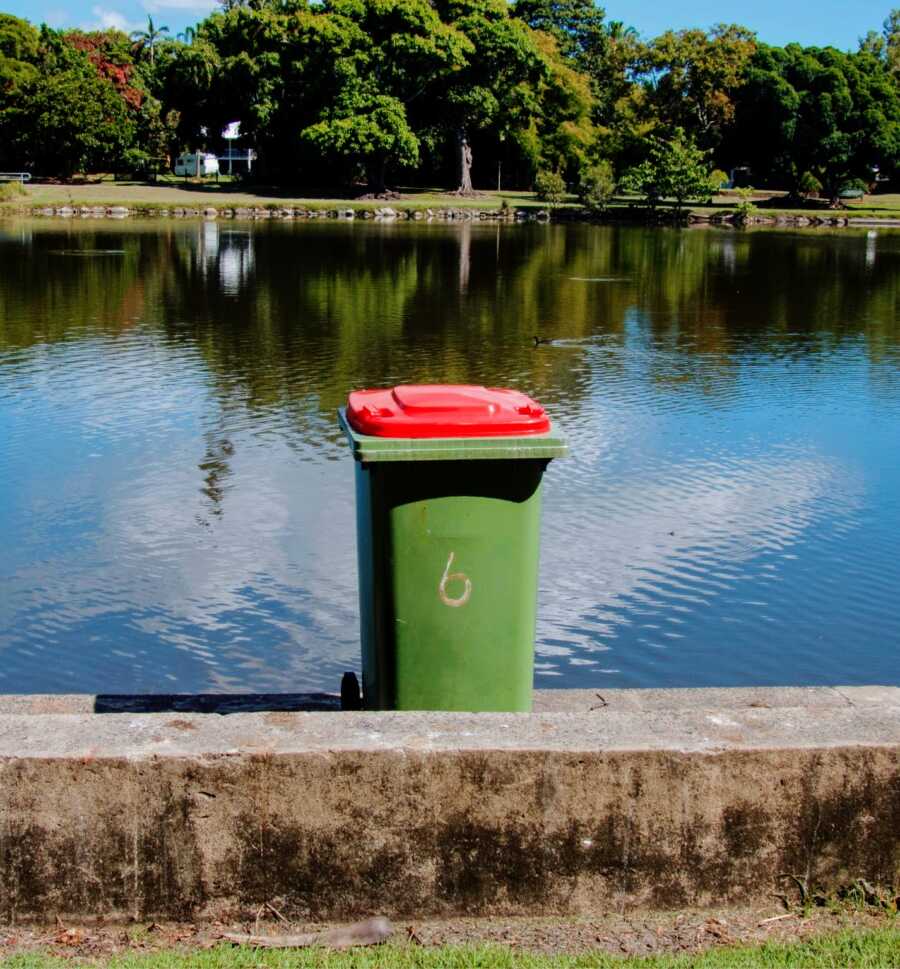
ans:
(652, 799)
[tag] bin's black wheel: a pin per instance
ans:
(350, 695)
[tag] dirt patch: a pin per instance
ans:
(617, 933)
(688, 931)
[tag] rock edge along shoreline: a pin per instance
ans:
(449, 214)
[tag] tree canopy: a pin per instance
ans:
(817, 112)
(458, 92)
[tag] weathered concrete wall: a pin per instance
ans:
(641, 798)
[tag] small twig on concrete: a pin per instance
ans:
(777, 918)
(276, 913)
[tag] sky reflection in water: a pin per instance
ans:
(176, 504)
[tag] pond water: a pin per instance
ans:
(176, 501)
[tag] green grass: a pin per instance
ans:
(175, 193)
(12, 192)
(172, 193)
(873, 949)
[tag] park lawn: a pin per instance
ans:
(853, 949)
(870, 207)
(174, 193)
(889, 215)
(877, 203)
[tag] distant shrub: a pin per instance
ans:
(809, 185)
(745, 207)
(855, 185)
(718, 179)
(675, 169)
(597, 186)
(550, 187)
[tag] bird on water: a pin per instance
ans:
(538, 340)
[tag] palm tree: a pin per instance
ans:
(617, 31)
(622, 45)
(188, 36)
(148, 39)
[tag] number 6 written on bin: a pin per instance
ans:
(449, 576)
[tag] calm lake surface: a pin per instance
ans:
(176, 502)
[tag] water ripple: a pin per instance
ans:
(176, 500)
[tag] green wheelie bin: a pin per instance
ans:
(448, 496)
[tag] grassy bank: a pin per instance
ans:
(224, 194)
(873, 949)
(197, 195)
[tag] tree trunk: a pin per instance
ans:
(375, 175)
(465, 166)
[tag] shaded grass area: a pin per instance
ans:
(854, 949)
(889, 203)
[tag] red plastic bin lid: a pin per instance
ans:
(445, 410)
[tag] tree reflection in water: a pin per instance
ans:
(731, 399)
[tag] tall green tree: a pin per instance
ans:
(598, 53)
(605, 52)
(71, 121)
(74, 104)
(19, 41)
(886, 44)
(891, 32)
(623, 110)
(562, 135)
(250, 64)
(18, 57)
(577, 26)
(612, 75)
(187, 76)
(694, 76)
(370, 128)
(816, 112)
(399, 51)
(496, 88)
